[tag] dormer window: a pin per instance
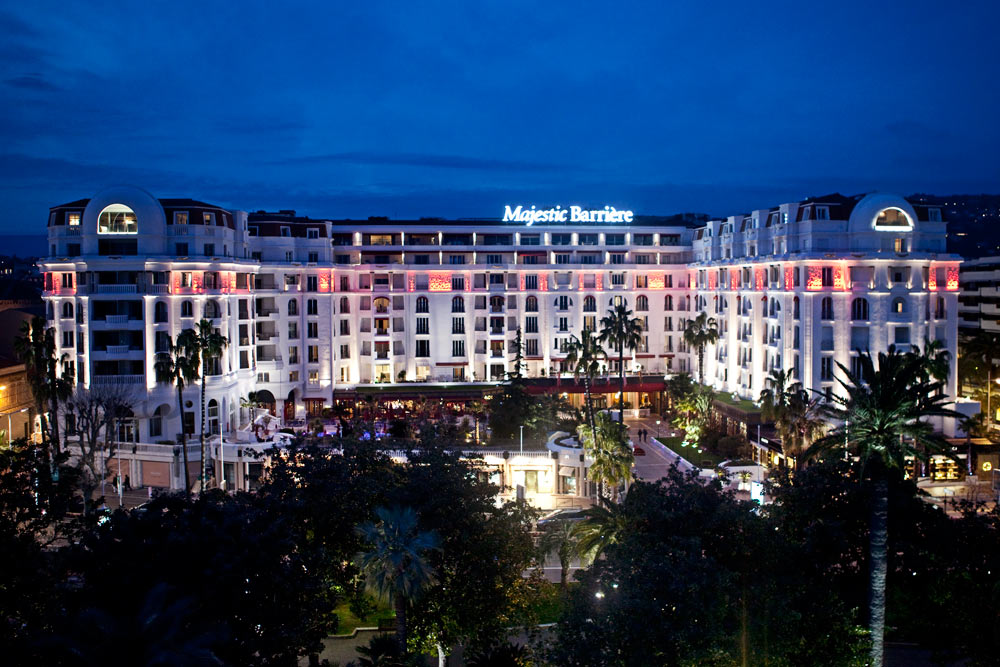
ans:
(73, 219)
(286, 232)
(117, 219)
(312, 233)
(208, 219)
(180, 217)
(934, 214)
(822, 212)
(251, 230)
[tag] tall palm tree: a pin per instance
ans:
(774, 397)
(604, 525)
(701, 331)
(395, 567)
(559, 538)
(882, 419)
(179, 366)
(621, 331)
(802, 423)
(209, 345)
(584, 354)
(612, 456)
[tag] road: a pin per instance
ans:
(658, 459)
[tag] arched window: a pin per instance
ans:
(618, 300)
(381, 304)
(668, 302)
(899, 305)
(589, 304)
(187, 309)
(859, 309)
(156, 421)
(457, 304)
(687, 303)
(212, 310)
(160, 312)
(213, 417)
(641, 302)
(795, 307)
(939, 309)
(826, 308)
(496, 304)
(293, 307)
(423, 305)
(117, 219)
(531, 304)
(345, 305)
(67, 309)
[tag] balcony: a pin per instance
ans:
(113, 380)
(117, 349)
(266, 312)
(116, 319)
(116, 289)
(158, 289)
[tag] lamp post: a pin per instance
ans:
(657, 429)
(522, 438)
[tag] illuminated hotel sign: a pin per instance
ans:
(560, 214)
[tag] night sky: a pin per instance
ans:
(453, 109)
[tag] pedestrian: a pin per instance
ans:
(128, 483)
(114, 482)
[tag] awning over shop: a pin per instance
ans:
(567, 471)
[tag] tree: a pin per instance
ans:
(50, 379)
(604, 524)
(612, 456)
(584, 355)
(96, 411)
(797, 417)
(677, 387)
(622, 331)
(559, 538)
(882, 419)
(395, 566)
(179, 366)
(207, 347)
(701, 331)
(693, 413)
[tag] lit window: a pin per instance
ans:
(893, 218)
(117, 219)
(73, 219)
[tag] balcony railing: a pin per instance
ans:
(117, 349)
(158, 289)
(128, 380)
(116, 289)
(116, 319)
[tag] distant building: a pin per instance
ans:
(973, 222)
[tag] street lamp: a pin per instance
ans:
(522, 438)
(657, 429)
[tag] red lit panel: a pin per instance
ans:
(713, 280)
(839, 278)
(815, 278)
(952, 283)
(932, 279)
(325, 282)
(734, 279)
(657, 281)
(789, 278)
(599, 282)
(759, 277)
(543, 282)
(439, 282)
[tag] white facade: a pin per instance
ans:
(315, 307)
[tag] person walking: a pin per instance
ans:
(128, 483)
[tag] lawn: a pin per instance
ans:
(740, 403)
(705, 459)
(348, 621)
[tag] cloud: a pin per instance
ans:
(31, 82)
(459, 162)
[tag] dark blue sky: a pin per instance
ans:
(427, 108)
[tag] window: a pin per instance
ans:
(826, 308)
(827, 276)
(531, 347)
(898, 305)
(939, 309)
(531, 324)
(562, 258)
(312, 283)
(293, 307)
(641, 303)
(457, 283)
(494, 259)
(345, 305)
(312, 307)
(899, 245)
(668, 302)
(531, 282)
(826, 368)
(618, 279)
(458, 374)
(423, 325)
(117, 219)
(314, 376)
(617, 258)
(156, 423)
(859, 310)
(423, 348)
(456, 259)
(458, 305)
(293, 330)
(589, 304)
(423, 305)
(313, 257)
(893, 218)
(531, 304)
(187, 309)
(458, 325)
(458, 348)
(73, 219)
(209, 249)
(67, 310)
(160, 312)
(312, 330)
(590, 322)
(293, 354)
(312, 233)
(181, 249)
(67, 339)
(933, 215)
(563, 324)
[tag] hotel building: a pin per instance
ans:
(323, 310)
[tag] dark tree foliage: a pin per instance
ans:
(702, 579)
(943, 583)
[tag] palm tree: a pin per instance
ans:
(395, 567)
(209, 345)
(603, 526)
(179, 366)
(613, 458)
(774, 398)
(882, 421)
(30, 348)
(802, 422)
(584, 354)
(559, 538)
(622, 331)
(701, 331)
